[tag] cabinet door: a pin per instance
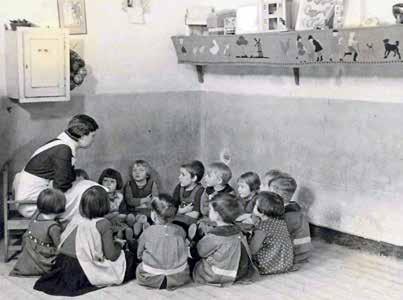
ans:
(44, 64)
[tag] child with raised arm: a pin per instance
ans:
(224, 251)
(42, 238)
(295, 219)
(271, 245)
(188, 192)
(162, 248)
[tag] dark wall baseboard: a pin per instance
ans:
(356, 242)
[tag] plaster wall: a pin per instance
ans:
(345, 155)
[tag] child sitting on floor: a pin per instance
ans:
(41, 239)
(248, 187)
(271, 245)
(217, 178)
(112, 180)
(268, 177)
(295, 218)
(138, 193)
(188, 192)
(122, 225)
(89, 258)
(224, 252)
(162, 248)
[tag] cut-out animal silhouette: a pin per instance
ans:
(391, 48)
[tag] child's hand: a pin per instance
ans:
(243, 218)
(146, 200)
(185, 209)
(121, 242)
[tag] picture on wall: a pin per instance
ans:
(272, 15)
(72, 16)
(314, 14)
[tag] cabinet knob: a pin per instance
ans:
(26, 66)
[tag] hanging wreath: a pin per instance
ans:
(77, 70)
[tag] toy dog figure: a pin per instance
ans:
(391, 48)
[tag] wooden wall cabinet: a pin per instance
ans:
(37, 64)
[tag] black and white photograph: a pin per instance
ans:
(192, 150)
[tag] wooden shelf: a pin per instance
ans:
(293, 49)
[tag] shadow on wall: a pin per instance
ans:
(306, 198)
(336, 72)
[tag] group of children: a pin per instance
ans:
(207, 232)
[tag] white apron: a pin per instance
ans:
(99, 270)
(27, 187)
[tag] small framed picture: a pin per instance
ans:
(72, 16)
(272, 15)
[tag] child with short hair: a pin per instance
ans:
(41, 239)
(188, 192)
(162, 248)
(268, 177)
(88, 256)
(295, 218)
(139, 190)
(271, 244)
(122, 225)
(112, 180)
(217, 178)
(248, 187)
(224, 251)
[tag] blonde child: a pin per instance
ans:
(295, 218)
(188, 192)
(224, 252)
(271, 245)
(41, 239)
(89, 258)
(217, 177)
(138, 193)
(162, 248)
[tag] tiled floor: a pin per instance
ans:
(334, 272)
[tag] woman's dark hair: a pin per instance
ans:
(195, 168)
(94, 203)
(81, 125)
(81, 173)
(51, 201)
(251, 179)
(112, 173)
(270, 204)
(165, 207)
(227, 206)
